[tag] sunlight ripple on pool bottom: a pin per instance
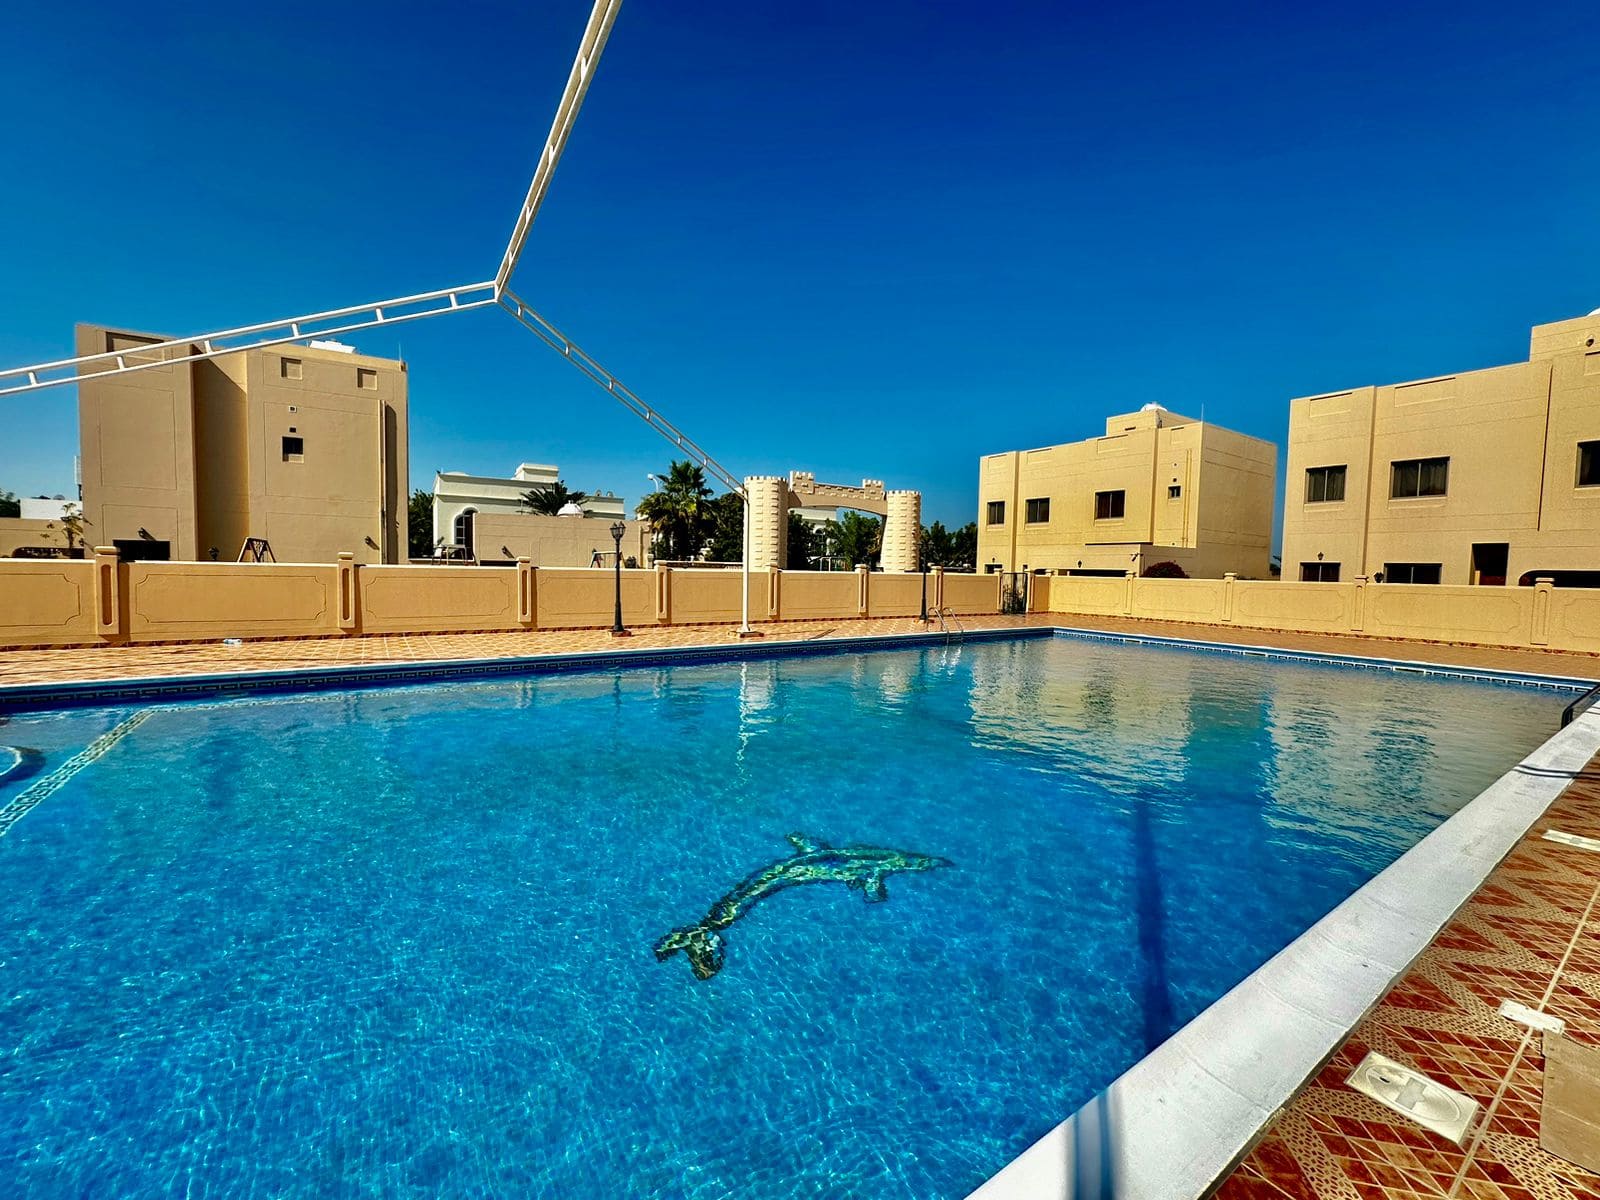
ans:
(402, 941)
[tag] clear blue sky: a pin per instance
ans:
(861, 239)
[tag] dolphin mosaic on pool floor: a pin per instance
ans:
(861, 868)
(1529, 932)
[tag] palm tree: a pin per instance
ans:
(679, 514)
(553, 499)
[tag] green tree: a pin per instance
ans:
(10, 506)
(552, 499)
(419, 524)
(680, 513)
(727, 528)
(964, 548)
(938, 547)
(952, 549)
(803, 544)
(856, 539)
(71, 522)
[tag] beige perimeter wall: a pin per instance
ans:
(103, 601)
(1539, 616)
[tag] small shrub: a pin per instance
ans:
(1165, 570)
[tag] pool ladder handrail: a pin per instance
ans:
(1583, 701)
(943, 612)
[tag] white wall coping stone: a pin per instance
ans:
(1177, 1121)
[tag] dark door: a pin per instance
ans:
(1489, 563)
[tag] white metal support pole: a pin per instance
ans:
(202, 346)
(625, 396)
(744, 570)
(425, 304)
(590, 47)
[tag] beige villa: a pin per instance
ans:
(37, 531)
(483, 518)
(1157, 487)
(1486, 477)
(303, 446)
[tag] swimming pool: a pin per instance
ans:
(406, 940)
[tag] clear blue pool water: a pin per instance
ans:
(399, 942)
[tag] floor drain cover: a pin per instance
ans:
(1412, 1094)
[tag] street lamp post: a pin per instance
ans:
(618, 528)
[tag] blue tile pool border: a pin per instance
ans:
(1563, 683)
(224, 684)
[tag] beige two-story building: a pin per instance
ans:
(1487, 477)
(303, 446)
(1158, 487)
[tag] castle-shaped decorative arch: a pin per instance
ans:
(771, 497)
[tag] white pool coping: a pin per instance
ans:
(1179, 1120)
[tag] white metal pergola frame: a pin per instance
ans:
(495, 292)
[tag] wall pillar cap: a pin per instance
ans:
(346, 555)
(107, 551)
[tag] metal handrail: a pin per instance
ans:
(943, 611)
(1584, 701)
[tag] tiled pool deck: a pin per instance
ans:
(138, 662)
(1508, 942)
(1511, 941)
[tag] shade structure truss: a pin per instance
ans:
(568, 349)
(149, 355)
(601, 18)
(144, 356)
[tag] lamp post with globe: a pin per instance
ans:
(617, 531)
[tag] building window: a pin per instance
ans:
(1419, 477)
(1109, 506)
(1324, 484)
(289, 368)
(294, 449)
(1174, 492)
(1319, 572)
(1039, 510)
(1589, 464)
(463, 529)
(997, 512)
(1411, 572)
(367, 379)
